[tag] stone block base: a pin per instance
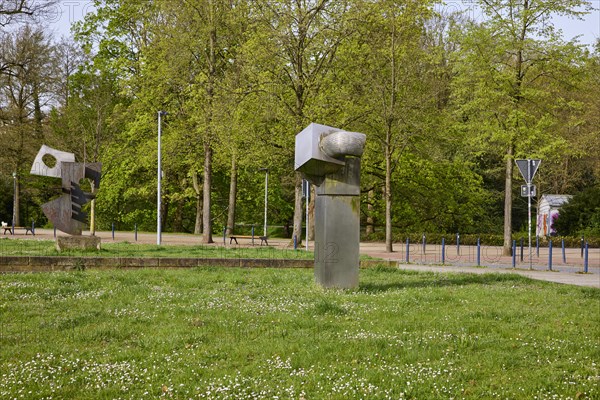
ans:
(77, 243)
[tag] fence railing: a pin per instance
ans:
(521, 256)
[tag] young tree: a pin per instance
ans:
(388, 63)
(25, 92)
(70, 58)
(299, 47)
(504, 67)
(15, 11)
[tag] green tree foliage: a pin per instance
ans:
(511, 73)
(390, 43)
(446, 103)
(27, 81)
(581, 215)
(300, 42)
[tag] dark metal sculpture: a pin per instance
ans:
(330, 159)
(66, 212)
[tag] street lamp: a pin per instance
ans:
(158, 189)
(266, 171)
(14, 217)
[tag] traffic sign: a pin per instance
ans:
(528, 191)
(528, 168)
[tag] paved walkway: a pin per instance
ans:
(567, 268)
(578, 279)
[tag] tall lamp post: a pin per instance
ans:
(266, 171)
(14, 216)
(158, 189)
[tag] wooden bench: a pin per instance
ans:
(10, 229)
(263, 239)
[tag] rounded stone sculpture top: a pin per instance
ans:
(340, 144)
(322, 150)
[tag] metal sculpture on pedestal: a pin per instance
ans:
(330, 159)
(65, 212)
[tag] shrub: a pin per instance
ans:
(581, 215)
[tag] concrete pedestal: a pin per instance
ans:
(77, 243)
(337, 228)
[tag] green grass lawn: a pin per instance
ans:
(267, 333)
(20, 247)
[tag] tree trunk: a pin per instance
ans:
(16, 201)
(212, 62)
(388, 201)
(198, 191)
(164, 213)
(206, 214)
(92, 209)
(178, 217)
(517, 95)
(93, 217)
(311, 213)
(229, 229)
(198, 224)
(370, 229)
(38, 115)
(507, 248)
(298, 210)
(389, 240)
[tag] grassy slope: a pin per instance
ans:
(231, 333)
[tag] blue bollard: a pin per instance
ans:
(514, 254)
(521, 249)
(252, 235)
(443, 250)
(54, 232)
(135, 227)
(550, 255)
(585, 258)
(564, 255)
(407, 250)
(582, 245)
(478, 252)
(424, 243)
(113, 231)
(537, 246)
(295, 242)
(33, 227)
(224, 234)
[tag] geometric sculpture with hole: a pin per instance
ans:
(329, 158)
(66, 212)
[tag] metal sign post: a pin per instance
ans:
(528, 169)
